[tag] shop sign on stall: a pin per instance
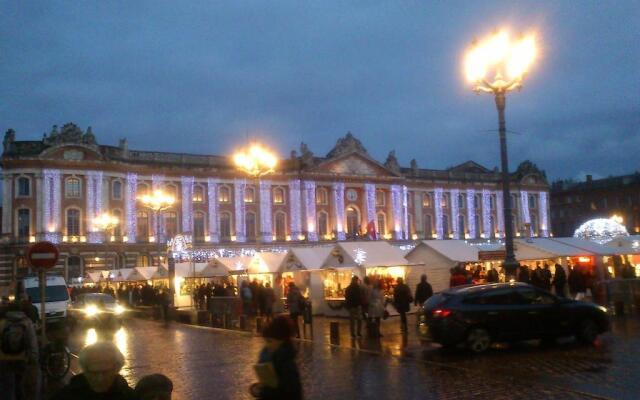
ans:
(492, 255)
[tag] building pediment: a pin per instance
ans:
(71, 152)
(354, 164)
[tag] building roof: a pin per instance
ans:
(592, 247)
(374, 254)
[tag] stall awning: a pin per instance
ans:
(373, 254)
(161, 272)
(236, 265)
(267, 262)
(630, 243)
(467, 251)
(552, 247)
(592, 247)
(309, 258)
(96, 276)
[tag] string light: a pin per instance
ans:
(544, 222)
(455, 210)
(214, 220)
(266, 230)
(600, 230)
(486, 213)
(500, 212)
(187, 205)
(370, 199)
(396, 209)
(338, 205)
(294, 208)
(437, 198)
(524, 207)
(239, 186)
(471, 212)
(94, 204)
(309, 195)
(405, 211)
(52, 204)
(156, 185)
(130, 206)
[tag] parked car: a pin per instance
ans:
(56, 296)
(97, 309)
(479, 315)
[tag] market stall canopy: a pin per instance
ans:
(267, 262)
(161, 272)
(592, 247)
(136, 275)
(630, 243)
(146, 272)
(120, 275)
(237, 264)
(96, 276)
(373, 254)
(308, 258)
(467, 251)
(552, 247)
(215, 268)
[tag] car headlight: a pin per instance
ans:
(119, 309)
(91, 310)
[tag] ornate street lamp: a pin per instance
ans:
(105, 223)
(157, 203)
(508, 61)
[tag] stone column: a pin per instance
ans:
(266, 225)
(338, 206)
(37, 196)
(455, 210)
(309, 198)
(370, 204)
(187, 205)
(295, 225)
(486, 213)
(437, 206)
(471, 213)
(405, 213)
(524, 209)
(543, 205)
(214, 220)
(500, 211)
(417, 210)
(239, 186)
(130, 207)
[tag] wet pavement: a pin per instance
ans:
(215, 364)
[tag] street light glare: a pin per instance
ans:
(503, 55)
(256, 161)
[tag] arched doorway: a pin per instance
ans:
(74, 268)
(353, 221)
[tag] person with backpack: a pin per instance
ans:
(18, 351)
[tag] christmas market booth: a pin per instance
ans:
(190, 275)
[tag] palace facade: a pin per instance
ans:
(54, 188)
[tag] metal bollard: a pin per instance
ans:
(259, 324)
(334, 333)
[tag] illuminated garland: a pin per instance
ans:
(214, 221)
(94, 205)
(370, 203)
(524, 208)
(266, 229)
(500, 213)
(309, 197)
(239, 186)
(130, 206)
(338, 205)
(471, 213)
(294, 208)
(156, 184)
(405, 211)
(486, 213)
(202, 255)
(52, 204)
(455, 211)
(600, 230)
(396, 209)
(544, 222)
(187, 205)
(437, 198)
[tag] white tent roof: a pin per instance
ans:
(464, 251)
(215, 268)
(96, 276)
(553, 247)
(137, 275)
(267, 262)
(238, 264)
(120, 275)
(161, 272)
(312, 258)
(147, 272)
(630, 243)
(374, 254)
(592, 247)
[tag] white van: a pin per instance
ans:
(57, 296)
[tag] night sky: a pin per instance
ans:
(202, 77)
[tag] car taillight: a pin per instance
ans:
(441, 313)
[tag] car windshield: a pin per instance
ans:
(53, 293)
(435, 300)
(97, 298)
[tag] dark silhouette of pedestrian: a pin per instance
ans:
(402, 302)
(295, 303)
(559, 280)
(423, 291)
(154, 387)
(353, 304)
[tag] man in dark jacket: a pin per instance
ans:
(402, 301)
(559, 280)
(353, 303)
(423, 291)
(100, 379)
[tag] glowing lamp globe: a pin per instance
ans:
(600, 230)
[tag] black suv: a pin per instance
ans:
(503, 312)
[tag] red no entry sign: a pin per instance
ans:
(43, 255)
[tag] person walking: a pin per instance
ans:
(100, 378)
(295, 303)
(423, 291)
(246, 295)
(18, 351)
(577, 285)
(546, 277)
(458, 278)
(492, 275)
(279, 378)
(366, 291)
(353, 304)
(559, 280)
(376, 309)
(523, 274)
(402, 301)
(268, 299)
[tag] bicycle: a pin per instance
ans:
(55, 360)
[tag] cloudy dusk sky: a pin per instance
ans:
(201, 77)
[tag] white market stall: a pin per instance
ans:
(189, 275)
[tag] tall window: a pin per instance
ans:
(445, 226)
(250, 225)
(323, 224)
(142, 189)
(117, 231)
(73, 222)
(74, 267)
(532, 201)
(24, 187)
(476, 221)
(426, 200)
(171, 190)
(24, 223)
(492, 226)
(492, 202)
(460, 201)
(514, 202)
(428, 226)
(461, 228)
(322, 196)
(444, 202)
(225, 226)
(379, 198)
(198, 194)
(478, 201)
(142, 226)
(281, 225)
(278, 196)
(353, 221)
(72, 188)
(198, 227)
(170, 224)
(224, 195)
(382, 224)
(249, 195)
(116, 190)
